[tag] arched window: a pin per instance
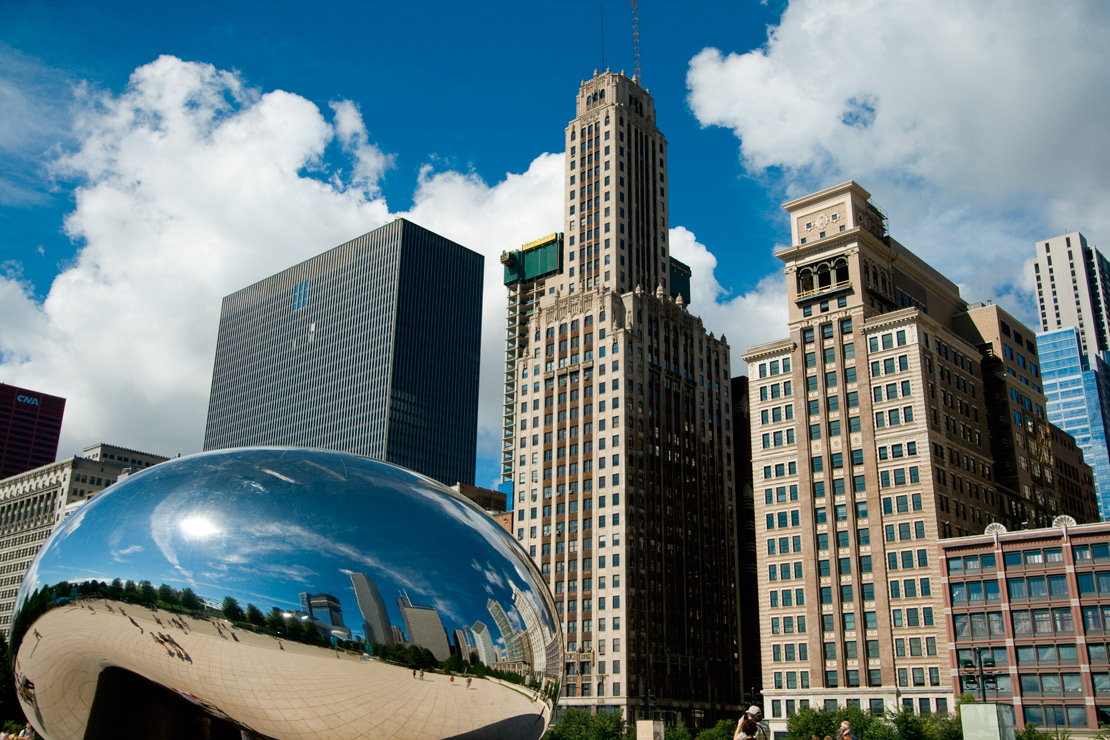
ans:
(805, 281)
(824, 276)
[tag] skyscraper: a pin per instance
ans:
(324, 608)
(30, 424)
(424, 627)
(618, 433)
(483, 643)
(1073, 289)
(1073, 293)
(876, 425)
(371, 347)
(514, 647)
(1077, 387)
(375, 618)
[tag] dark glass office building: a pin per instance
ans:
(30, 424)
(371, 347)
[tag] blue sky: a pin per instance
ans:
(155, 160)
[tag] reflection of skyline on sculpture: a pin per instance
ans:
(298, 550)
(240, 544)
(424, 627)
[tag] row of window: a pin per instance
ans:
(779, 470)
(875, 707)
(890, 365)
(774, 367)
(887, 340)
(789, 652)
(908, 588)
(780, 494)
(830, 379)
(788, 597)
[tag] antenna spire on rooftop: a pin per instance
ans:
(636, 40)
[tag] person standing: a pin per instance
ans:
(27, 733)
(751, 725)
(845, 731)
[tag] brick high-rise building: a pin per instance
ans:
(30, 425)
(872, 439)
(618, 432)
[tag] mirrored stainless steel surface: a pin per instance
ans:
(284, 593)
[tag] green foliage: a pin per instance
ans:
(255, 615)
(1029, 732)
(168, 595)
(901, 724)
(275, 622)
(455, 664)
(679, 732)
(231, 609)
(147, 593)
(809, 722)
(723, 730)
(910, 726)
(190, 601)
(293, 629)
(9, 704)
(578, 724)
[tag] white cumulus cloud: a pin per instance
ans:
(746, 319)
(979, 127)
(193, 185)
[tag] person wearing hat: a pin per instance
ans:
(751, 726)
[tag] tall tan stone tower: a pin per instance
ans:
(879, 425)
(618, 435)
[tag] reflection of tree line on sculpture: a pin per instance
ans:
(169, 599)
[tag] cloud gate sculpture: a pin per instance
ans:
(284, 593)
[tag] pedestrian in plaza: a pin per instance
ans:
(845, 731)
(468, 680)
(751, 725)
(27, 733)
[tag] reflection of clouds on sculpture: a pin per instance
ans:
(118, 555)
(254, 538)
(335, 543)
(278, 475)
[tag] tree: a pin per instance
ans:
(723, 730)
(455, 664)
(293, 629)
(190, 601)
(1029, 732)
(678, 732)
(168, 595)
(807, 722)
(578, 724)
(147, 592)
(130, 590)
(275, 622)
(255, 615)
(231, 609)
